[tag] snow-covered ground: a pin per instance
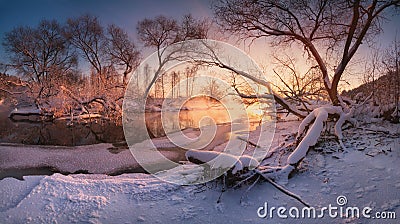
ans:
(367, 174)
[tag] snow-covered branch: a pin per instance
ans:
(315, 121)
(281, 101)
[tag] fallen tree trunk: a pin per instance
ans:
(278, 99)
(107, 104)
(30, 111)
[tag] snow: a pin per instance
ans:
(216, 160)
(96, 158)
(367, 174)
(222, 160)
(82, 198)
(183, 175)
(320, 115)
(248, 161)
(25, 111)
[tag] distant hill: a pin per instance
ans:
(383, 88)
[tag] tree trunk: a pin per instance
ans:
(333, 95)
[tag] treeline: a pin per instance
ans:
(50, 58)
(50, 52)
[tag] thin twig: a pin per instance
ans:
(244, 180)
(249, 142)
(249, 188)
(285, 191)
(9, 92)
(223, 188)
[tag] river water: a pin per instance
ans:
(94, 131)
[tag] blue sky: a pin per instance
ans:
(126, 13)
(122, 12)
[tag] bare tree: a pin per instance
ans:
(314, 24)
(109, 53)
(371, 70)
(87, 35)
(298, 87)
(42, 54)
(122, 51)
(161, 32)
(392, 64)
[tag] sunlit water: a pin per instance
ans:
(104, 131)
(100, 131)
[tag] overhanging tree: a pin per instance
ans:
(319, 26)
(322, 30)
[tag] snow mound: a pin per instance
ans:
(141, 198)
(216, 160)
(222, 160)
(182, 175)
(81, 198)
(317, 117)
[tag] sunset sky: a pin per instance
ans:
(127, 13)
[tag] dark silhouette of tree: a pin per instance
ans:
(175, 87)
(392, 64)
(319, 26)
(190, 76)
(160, 32)
(191, 28)
(87, 35)
(122, 51)
(42, 54)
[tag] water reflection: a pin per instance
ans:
(106, 131)
(172, 121)
(59, 133)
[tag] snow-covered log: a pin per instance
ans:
(222, 160)
(215, 159)
(319, 116)
(248, 161)
(29, 111)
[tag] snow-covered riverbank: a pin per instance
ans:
(367, 175)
